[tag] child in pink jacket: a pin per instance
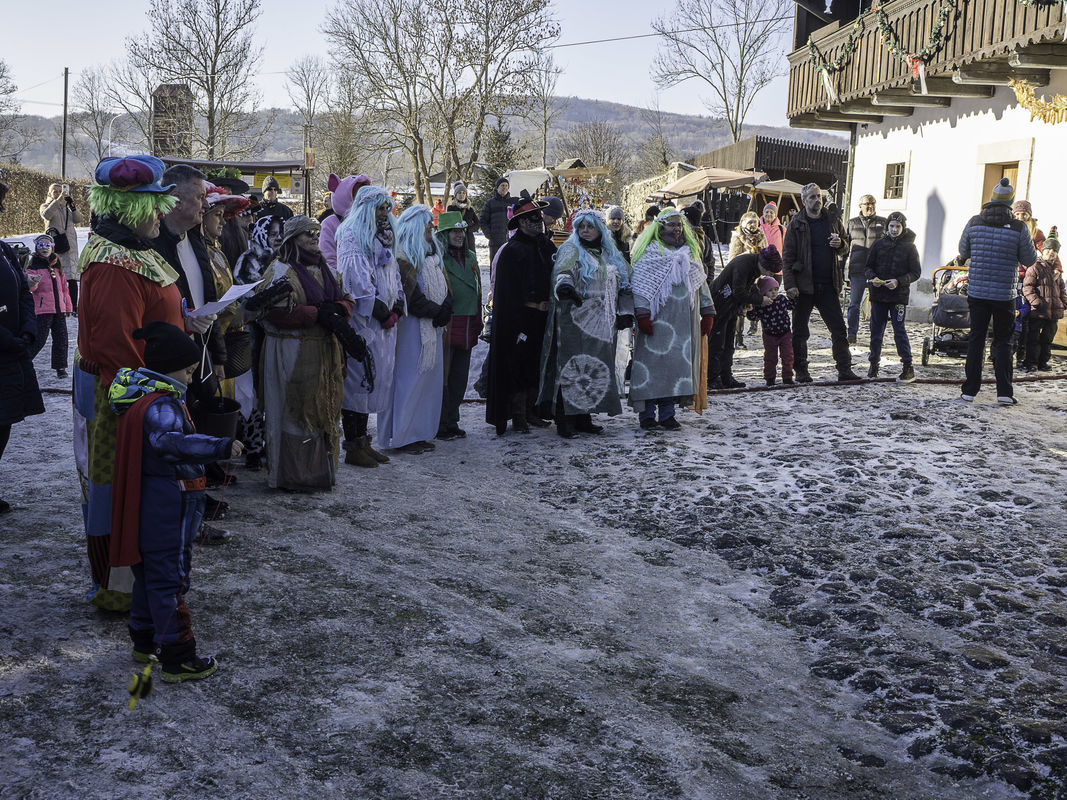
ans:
(51, 301)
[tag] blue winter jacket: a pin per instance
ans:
(996, 244)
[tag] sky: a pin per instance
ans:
(87, 36)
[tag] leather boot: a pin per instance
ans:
(356, 454)
(381, 458)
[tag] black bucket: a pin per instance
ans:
(218, 416)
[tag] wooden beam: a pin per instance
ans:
(897, 97)
(809, 121)
(867, 107)
(1039, 57)
(999, 75)
(837, 116)
(946, 87)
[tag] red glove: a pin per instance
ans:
(707, 322)
(644, 324)
(389, 321)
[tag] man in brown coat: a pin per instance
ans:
(813, 277)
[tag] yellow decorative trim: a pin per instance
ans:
(1052, 111)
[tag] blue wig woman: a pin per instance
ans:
(578, 358)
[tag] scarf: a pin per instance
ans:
(316, 294)
(659, 269)
(435, 287)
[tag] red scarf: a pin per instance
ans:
(126, 486)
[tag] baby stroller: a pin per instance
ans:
(950, 316)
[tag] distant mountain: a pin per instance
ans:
(689, 134)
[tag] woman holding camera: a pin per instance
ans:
(58, 211)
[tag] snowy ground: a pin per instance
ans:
(821, 592)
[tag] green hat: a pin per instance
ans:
(450, 221)
(1052, 241)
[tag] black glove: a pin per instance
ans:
(566, 292)
(623, 322)
(331, 308)
(398, 307)
(352, 343)
(442, 317)
(380, 311)
(263, 301)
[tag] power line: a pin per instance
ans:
(665, 33)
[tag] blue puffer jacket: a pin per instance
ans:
(996, 245)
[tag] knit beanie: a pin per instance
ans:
(1052, 241)
(554, 208)
(615, 213)
(457, 187)
(48, 237)
(1003, 193)
(167, 348)
(766, 283)
(772, 205)
(897, 216)
(770, 260)
(1022, 205)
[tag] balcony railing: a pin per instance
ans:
(979, 30)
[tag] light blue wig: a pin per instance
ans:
(588, 266)
(411, 235)
(361, 217)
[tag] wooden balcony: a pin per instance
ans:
(986, 44)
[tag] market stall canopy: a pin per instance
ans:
(528, 179)
(697, 181)
(785, 193)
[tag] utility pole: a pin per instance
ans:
(63, 159)
(309, 163)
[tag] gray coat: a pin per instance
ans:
(863, 232)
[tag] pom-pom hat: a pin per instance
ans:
(132, 174)
(1003, 193)
(770, 260)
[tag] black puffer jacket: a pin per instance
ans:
(863, 232)
(893, 258)
(494, 216)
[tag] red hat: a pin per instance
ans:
(525, 205)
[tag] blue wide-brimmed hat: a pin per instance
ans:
(132, 174)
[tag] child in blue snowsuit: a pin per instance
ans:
(158, 499)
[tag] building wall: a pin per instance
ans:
(635, 195)
(946, 152)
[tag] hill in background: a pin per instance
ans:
(689, 135)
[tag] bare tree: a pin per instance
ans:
(544, 107)
(599, 144)
(15, 137)
(732, 46)
(95, 120)
(382, 41)
(129, 89)
(432, 71)
(208, 45)
(309, 82)
(654, 153)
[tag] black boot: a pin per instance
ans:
(565, 427)
(583, 423)
(144, 644)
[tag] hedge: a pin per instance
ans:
(26, 190)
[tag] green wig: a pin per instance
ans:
(129, 208)
(652, 231)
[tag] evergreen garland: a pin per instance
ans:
(847, 50)
(934, 43)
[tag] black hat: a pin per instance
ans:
(525, 205)
(167, 348)
(897, 216)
